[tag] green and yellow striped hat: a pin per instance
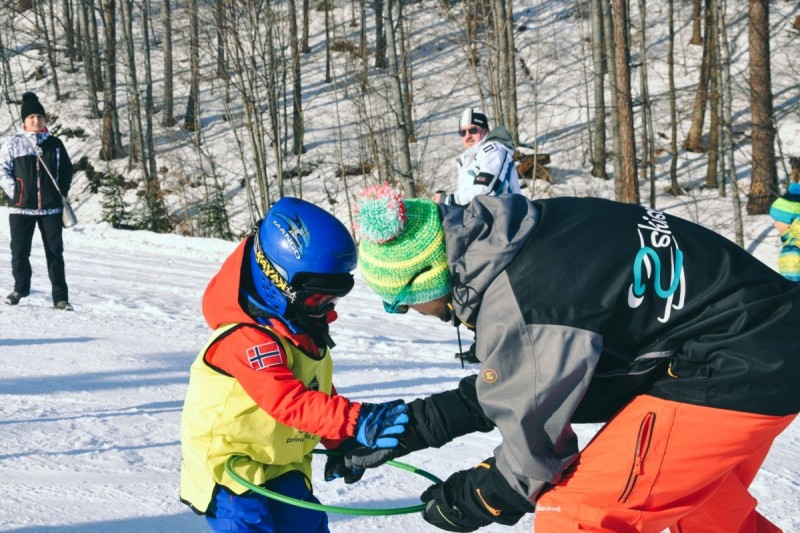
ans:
(401, 242)
(787, 208)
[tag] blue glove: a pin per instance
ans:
(379, 424)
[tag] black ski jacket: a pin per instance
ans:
(581, 304)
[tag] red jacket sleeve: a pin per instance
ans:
(278, 392)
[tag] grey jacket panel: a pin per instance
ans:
(500, 134)
(481, 241)
(541, 375)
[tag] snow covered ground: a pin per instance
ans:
(90, 401)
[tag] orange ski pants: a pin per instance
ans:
(661, 465)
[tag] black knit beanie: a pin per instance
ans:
(31, 105)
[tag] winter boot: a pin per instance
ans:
(63, 306)
(14, 298)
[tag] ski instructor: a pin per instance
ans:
(589, 310)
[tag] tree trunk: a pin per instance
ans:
(148, 96)
(629, 186)
(608, 34)
(47, 33)
(304, 41)
(648, 143)
(6, 79)
(512, 120)
(697, 18)
(111, 145)
(712, 167)
(362, 47)
(191, 119)
(674, 188)
(380, 34)
(93, 35)
(598, 62)
(764, 183)
(222, 72)
(168, 111)
(68, 23)
(298, 129)
(406, 78)
(328, 7)
(89, 56)
(694, 141)
(135, 151)
(725, 71)
(401, 131)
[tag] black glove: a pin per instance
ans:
(474, 498)
(445, 510)
(432, 422)
(336, 467)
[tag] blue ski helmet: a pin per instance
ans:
(300, 249)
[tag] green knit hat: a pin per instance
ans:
(401, 241)
(787, 208)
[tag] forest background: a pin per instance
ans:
(198, 146)
(195, 116)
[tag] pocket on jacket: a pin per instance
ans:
(19, 192)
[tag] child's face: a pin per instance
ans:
(781, 227)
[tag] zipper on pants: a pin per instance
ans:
(643, 439)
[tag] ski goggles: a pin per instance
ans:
(319, 304)
(396, 308)
(317, 294)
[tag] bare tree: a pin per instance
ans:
(68, 25)
(397, 104)
(47, 33)
(406, 72)
(648, 143)
(610, 45)
(628, 186)
(727, 126)
(697, 17)
(135, 152)
(298, 129)
(674, 188)
(90, 55)
(712, 167)
(380, 34)
(764, 183)
(191, 119)
(111, 141)
(6, 79)
(598, 63)
(149, 107)
(304, 40)
(222, 72)
(167, 111)
(328, 8)
(694, 141)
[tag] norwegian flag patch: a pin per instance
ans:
(265, 355)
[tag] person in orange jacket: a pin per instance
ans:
(262, 387)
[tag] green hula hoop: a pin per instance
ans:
(333, 508)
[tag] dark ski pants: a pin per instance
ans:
(22, 228)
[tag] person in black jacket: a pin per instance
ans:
(589, 310)
(35, 200)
